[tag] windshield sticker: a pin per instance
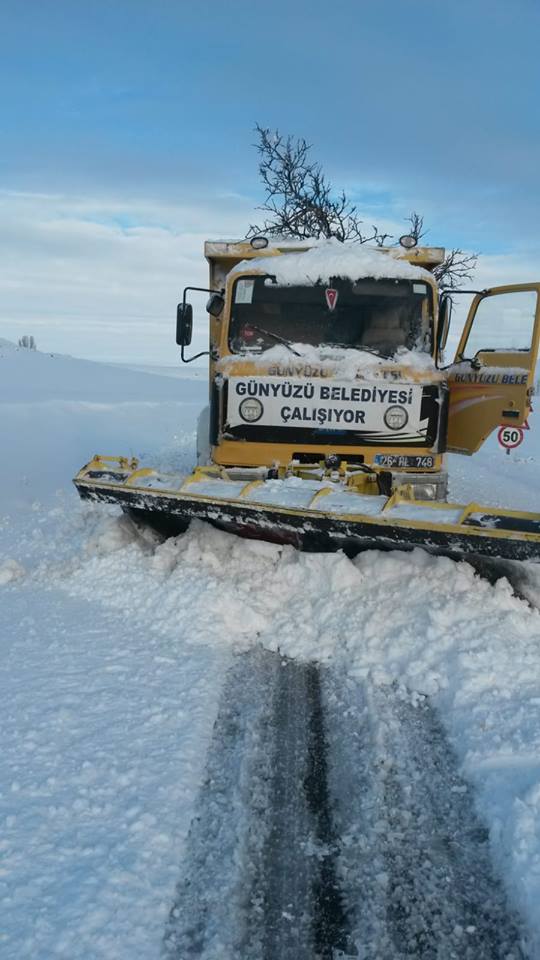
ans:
(244, 291)
(331, 297)
(375, 410)
(419, 288)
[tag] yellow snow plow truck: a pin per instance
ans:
(330, 407)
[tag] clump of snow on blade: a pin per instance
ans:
(330, 258)
(110, 536)
(531, 583)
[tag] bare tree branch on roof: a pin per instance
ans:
(416, 226)
(457, 268)
(301, 202)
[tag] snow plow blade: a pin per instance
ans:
(309, 514)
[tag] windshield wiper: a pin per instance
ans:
(350, 346)
(275, 336)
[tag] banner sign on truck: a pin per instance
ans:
(389, 412)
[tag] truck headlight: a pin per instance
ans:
(259, 243)
(425, 491)
(408, 241)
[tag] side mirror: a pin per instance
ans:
(184, 324)
(215, 305)
(445, 313)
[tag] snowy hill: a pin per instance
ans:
(57, 412)
(28, 376)
(114, 660)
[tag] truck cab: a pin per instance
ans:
(328, 353)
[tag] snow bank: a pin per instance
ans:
(330, 258)
(428, 624)
(56, 412)
(29, 376)
(104, 735)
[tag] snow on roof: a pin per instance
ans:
(330, 258)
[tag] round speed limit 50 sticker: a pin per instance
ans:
(510, 437)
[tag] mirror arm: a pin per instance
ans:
(203, 353)
(200, 290)
(452, 291)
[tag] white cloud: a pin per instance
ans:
(101, 279)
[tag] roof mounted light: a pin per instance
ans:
(259, 243)
(408, 241)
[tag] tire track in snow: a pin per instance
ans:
(259, 874)
(303, 912)
(214, 912)
(415, 865)
(333, 823)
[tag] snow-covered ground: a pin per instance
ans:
(114, 654)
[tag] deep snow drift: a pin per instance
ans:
(114, 654)
(56, 412)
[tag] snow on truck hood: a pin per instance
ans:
(347, 363)
(330, 258)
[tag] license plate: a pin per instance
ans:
(396, 460)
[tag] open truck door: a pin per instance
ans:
(491, 380)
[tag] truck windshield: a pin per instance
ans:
(376, 315)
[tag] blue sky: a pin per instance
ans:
(127, 130)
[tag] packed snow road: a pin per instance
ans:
(333, 822)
